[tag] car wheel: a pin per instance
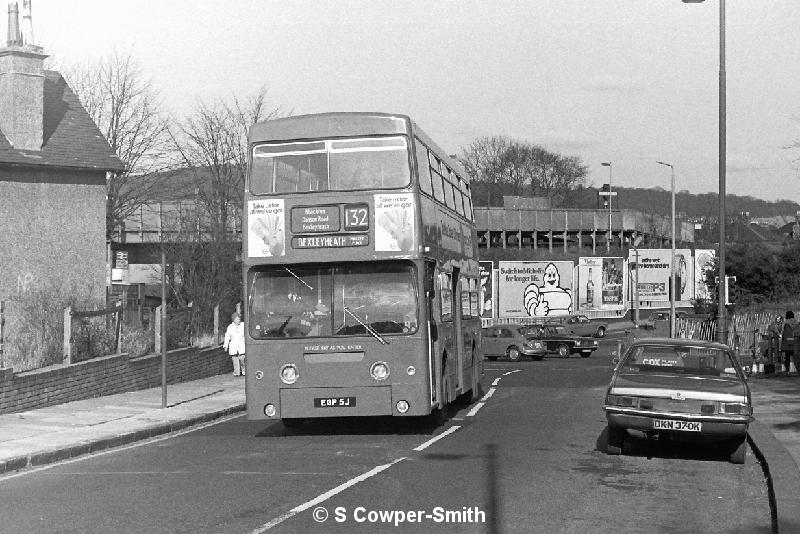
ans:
(739, 452)
(294, 423)
(563, 350)
(616, 440)
(601, 332)
(513, 353)
(586, 354)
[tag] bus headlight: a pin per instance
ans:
(379, 371)
(269, 410)
(402, 406)
(289, 374)
(411, 370)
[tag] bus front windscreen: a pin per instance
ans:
(362, 163)
(321, 300)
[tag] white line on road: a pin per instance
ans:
(511, 372)
(496, 380)
(325, 496)
(475, 409)
(488, 395)
(437, 438)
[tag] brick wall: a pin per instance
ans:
(105, 376)
(52, 223)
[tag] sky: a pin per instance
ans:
(629, 82)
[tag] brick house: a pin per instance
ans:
(53, 167)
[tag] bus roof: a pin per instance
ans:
(345, 124)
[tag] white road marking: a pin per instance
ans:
(437, 438)
(475, 409)
(511, 372)
(325, 496)
(488, 395)
(496, 380)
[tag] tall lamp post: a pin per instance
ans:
(672, 256)
(722, 319)
(608, 239)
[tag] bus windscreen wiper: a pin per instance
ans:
(366, 326)
(300, 279)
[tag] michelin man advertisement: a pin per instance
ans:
(534, 288)
(267, 229)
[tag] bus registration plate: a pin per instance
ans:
(686, 426)
(334, 402)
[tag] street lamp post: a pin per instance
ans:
(608, 239)
(672, 256)
(722, 319)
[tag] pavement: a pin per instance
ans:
(47, 435)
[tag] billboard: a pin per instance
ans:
(703, 260)
(601, 284)
(534, 288)
(487, 291)
(650, 269)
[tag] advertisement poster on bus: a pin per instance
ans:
(600, 284)
(487, 291)
(394, 231)
(534, 288)
(652, 273)
(265, 219)
(703, 262)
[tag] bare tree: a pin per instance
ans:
(520, 168)
(126, 108)
(212, 146)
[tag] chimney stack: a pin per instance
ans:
(14, 37)
(27, 24)
(21, 86)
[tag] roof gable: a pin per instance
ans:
(71, 138)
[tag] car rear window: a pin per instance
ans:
(681, 359)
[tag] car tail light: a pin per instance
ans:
(646, 404)
(740, 408)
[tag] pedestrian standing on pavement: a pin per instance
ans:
(790, 327)
(774, 335)
(234, 344)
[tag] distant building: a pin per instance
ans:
(53, 165)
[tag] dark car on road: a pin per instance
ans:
(660, 317)
(558, 340)
(580, 325)
(679, 389)
(511, 340)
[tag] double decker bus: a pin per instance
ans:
(360, 270)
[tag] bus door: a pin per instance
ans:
(431, 306)
(458, 330)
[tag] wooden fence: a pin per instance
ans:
(69, 338)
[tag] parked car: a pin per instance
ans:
(580, 325)
(680, 389)
(557, 340)
(511, 340)
(659, 316)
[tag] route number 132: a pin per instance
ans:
(356, 217)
